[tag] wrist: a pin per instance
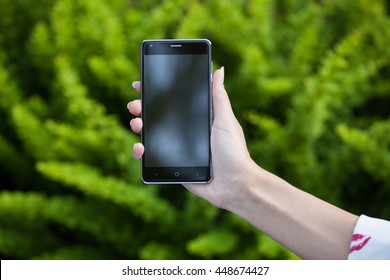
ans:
(248, 188)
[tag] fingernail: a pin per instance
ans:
(128, 105)
(134, 148)
(133, 84)
(223, 73)
(134, 152)
(131, 122)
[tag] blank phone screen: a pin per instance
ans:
(176, 104)
(176, 112)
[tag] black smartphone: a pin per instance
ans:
(176, 111)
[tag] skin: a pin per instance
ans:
(306, 225)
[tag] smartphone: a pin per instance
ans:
(176, 111)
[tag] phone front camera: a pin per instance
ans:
(151, 46)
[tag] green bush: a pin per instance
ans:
(308, 80)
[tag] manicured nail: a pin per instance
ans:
(133, 84)
(134, 151)
(128, 105)
(223, 73)
(131, 122)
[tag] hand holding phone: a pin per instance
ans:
(232, 165)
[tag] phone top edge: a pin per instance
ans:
(147, 41)
(177, 40)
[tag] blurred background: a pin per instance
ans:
(309, 82)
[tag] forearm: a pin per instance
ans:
(308, 226)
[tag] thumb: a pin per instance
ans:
(221, 104)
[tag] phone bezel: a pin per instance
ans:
(187, 175)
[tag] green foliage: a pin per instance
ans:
(213, 243)
(308, 81)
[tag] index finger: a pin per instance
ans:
(136, 85)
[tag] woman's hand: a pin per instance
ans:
(230, 157)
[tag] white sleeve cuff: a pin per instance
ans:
(370, 239)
